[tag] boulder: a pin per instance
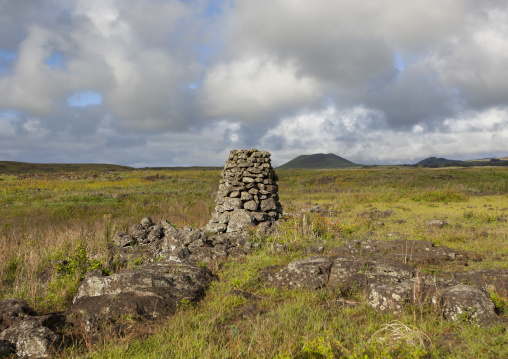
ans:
(31, 339)
(123, 240)
(390, 297)
(309, 273)
(153, 290)
(13, 311)
(467, 303)
(437, 223)
(357, 272)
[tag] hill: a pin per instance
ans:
(12, 167)
(318, 161)
(437, 161)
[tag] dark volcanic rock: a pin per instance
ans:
(31, 339)
(153, 290)
(405, 251)
(13, 311)
(6, 348)
(310, 273)
(384, 271)
(468, 303)
(360, 271)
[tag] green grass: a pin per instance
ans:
(45, 217)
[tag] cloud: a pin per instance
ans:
(375, 81)
(256, 90)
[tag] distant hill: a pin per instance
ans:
(492, 159)
(437, 161)
(12, 167)
(318, 161)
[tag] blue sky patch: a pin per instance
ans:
(84, 98)
(398, 62)
(56, 61)
(7, 55)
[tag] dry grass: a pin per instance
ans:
(47, 217)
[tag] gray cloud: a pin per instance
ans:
(196, 78)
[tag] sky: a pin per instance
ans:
(181, 83)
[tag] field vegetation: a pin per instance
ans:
(48, 217)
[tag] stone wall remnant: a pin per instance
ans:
(248, 193)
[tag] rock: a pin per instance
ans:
(31, 339)
(250, 205)
(123, 240)
(377, 214)
(310, 273)
(6, 349)
(232, 204)
(495, 280)
(437, 223)
(138, 232)
(13, 311)
(146, 222)
(179, 254)
(240, 220)
(268, 205)
(358, 272)
(216, 227)
(405, 251)
(467, 303)
(153, 290)
(390, 297)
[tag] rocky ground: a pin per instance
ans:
(158, 268)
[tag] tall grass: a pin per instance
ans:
(45, 218)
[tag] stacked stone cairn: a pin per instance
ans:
(247, 196)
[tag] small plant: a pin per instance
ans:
(137, 262)
(68, 274)
(317, 348)
(468, 214)
(501, 303)
(185, 304)
(466, 282)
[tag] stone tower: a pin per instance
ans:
(247, 195)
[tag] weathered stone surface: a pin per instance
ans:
(248, 179)
(13, 311)
(437, 223)
(240, 220)
(31, 339)
(405, 251)
(495, 280)
(467, 303)
(147, 222)
(216, 227)
(383, 271)
(251, 205)
(6, 348)
(268, 205)
(390, 297)
(309, 273)
(123, 239)
(138, 232)
(153, 290)
(232, 204)
(358, 272)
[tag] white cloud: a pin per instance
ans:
(290, 75)
(255, 90)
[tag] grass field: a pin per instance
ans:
(44, 217)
